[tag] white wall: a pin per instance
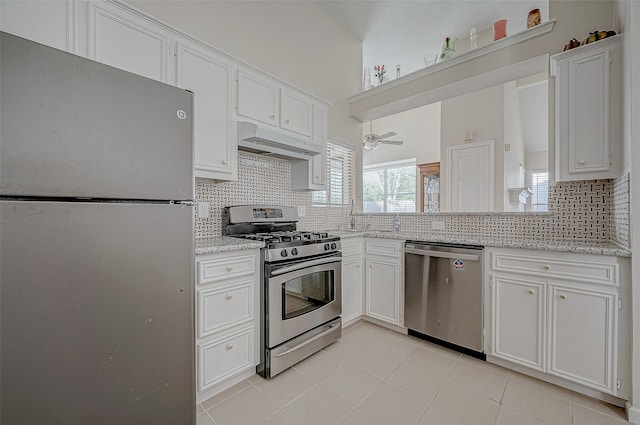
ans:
(418, 128)
(470, 113)
(297, 42)
(514, 157)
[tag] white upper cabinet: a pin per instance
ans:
(46, 22)
(210, 77)
(312, 174)
(588, 111)
(258, 98)
(124, 40)
(296, 112)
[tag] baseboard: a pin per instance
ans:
(633, 413)
(385, 324)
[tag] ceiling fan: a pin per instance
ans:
(371, 140)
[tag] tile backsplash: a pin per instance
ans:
(582, 212)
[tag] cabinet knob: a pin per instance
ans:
(531, 291)
(224, 162)
(582, 162)
(229, 296)
(286, 121)
(546, 267)
(563, 297)
(273, 117)
(229, 268)
(229, 347)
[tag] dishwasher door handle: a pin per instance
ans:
(441, 254)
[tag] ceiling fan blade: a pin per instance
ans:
(385, 135)
(392, 142)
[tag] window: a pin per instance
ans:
(389, 187)
(540, 188)
(340, 165)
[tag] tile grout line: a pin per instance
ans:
(440, 388)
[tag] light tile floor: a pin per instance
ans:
(374, 376)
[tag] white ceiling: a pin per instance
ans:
(406, 31)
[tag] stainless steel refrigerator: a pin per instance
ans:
(96, 243)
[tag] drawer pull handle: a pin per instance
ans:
(286, 121)
(229, 296)
(547, 267)
(273, 117)
(563, 297)
(229, 347)
(531, 291)
(582, 162)
(229, 268)
(224, 162)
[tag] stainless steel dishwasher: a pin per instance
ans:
(443, 294)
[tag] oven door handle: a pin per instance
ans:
(310, 340)
(306, 264)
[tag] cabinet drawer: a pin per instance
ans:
(223, 357)
(220, 308)
(384, 248)
(216, 269)
(351, 247)
(581, 269)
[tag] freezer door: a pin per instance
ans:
(97, 321)
(73, 127)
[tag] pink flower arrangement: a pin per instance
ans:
(379, 72)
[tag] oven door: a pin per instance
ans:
(302, 295)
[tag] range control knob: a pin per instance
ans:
(333, 245)
(326, 247)
(283, 253)
(294, 251)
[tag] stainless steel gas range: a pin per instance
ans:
(301, 296)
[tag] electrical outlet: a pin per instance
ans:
(203, 209)
(507, 147)
(301, 211)
(437, 225)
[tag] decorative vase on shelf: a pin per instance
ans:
(534, 18)
(448, 50)
(499, 29)
(473, 39)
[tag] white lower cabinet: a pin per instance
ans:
(563, 324)
(518, 321)
(227, 320)
(352, 281)
(384, 280)
(582, 340)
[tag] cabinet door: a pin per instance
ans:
(517, 320)
(296, 113)
(588, 111)
(582, 336)
(127, 41)
(383, 290)
(258, 98)
(352, 289)
(209, 77)
(46, 22)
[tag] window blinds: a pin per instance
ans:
(340, 166)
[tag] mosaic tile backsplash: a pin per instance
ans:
(579, 212)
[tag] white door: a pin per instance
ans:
(383, 290)
(123, 40)
(470, 177)
(210, 79)
(518, 321)
(582, 336)
(351, 289)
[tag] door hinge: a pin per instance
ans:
(610, 159)
(490, 282)
(238, 75)
(610, 58)
(618, 384)
(619, 304)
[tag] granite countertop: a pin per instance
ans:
(598, 248)
(212, 245)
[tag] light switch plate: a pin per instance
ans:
(203, 209)
(437, 225)
(301, 211)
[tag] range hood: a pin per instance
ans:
(260, 139)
